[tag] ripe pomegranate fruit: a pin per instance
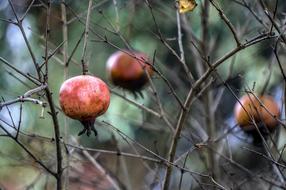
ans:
(255, 110)
(128, 70)
(84, 98)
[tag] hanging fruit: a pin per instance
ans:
(84, 98)
(264, 111)
(128, 70)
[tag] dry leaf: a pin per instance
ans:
(187, 5)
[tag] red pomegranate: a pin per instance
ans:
(128, 70)
(84, 98)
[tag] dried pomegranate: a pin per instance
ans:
(84, 98)
(128, 70)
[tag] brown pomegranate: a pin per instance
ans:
(266, 115)
(84, 98)
(128, 70)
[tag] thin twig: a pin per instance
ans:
(20, 25)
(151, 111)
(227, 22)
(80, 15)
(99, 167)
(276, 26)
(181, 47)
(83, 61)
(57, 139)
(26, 97)
(164, 42)
(33, 80)
(117, 21)
(27, 10)
(65, 59)
(27, 151)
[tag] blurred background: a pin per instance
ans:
(150, 27)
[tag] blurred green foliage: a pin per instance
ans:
(137, 27)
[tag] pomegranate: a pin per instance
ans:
(255, 110)
(84, 98)
(128, 70)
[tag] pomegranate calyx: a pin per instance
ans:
(88, 127)
(137, 94)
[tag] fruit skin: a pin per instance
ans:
(258, 112)
(84, 98)
(128, 72)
